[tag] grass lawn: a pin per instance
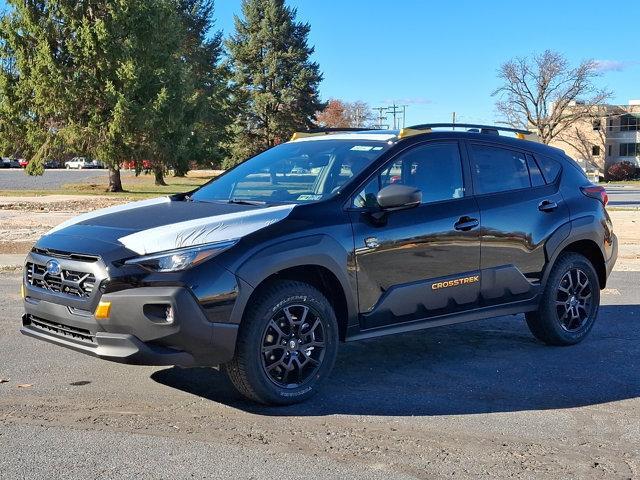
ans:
(140, 187)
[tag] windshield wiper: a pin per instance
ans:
(240, 201)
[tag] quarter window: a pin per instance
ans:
(435, 169)
(498, 169)
(550, 168)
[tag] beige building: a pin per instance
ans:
(609, 134)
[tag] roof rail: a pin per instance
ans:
(489, 129)
(325, 131)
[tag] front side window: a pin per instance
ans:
(498, 169)
(295, 172)
(435, 169)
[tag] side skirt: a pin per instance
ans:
(449, 319)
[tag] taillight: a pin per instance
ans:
(597, 192)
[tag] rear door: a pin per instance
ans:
(424, 261)
(520, 209)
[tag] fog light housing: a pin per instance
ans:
(169, 314)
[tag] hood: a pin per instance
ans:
(161, 224)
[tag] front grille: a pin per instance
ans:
(61, 330)
(69, 282)
(60, 254)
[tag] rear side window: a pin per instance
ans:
(550, 168)
(498, 169)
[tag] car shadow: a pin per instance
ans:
(478, 367)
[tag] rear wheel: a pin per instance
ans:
(287, 344)
(569, 304)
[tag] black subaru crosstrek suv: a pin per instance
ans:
(333, 236)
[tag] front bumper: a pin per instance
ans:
(134, 333)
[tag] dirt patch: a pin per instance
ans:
(25, 219)
(59, 203)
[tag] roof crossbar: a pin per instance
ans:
(326, 131)
(489, 129)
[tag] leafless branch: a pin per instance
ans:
(544, 94)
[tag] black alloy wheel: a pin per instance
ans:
(574, 300)
(293, 346)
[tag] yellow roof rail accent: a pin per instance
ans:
(410, 132)
(532, 137)
(298, 135)
(326, 131)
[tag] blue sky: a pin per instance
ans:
(441, 57)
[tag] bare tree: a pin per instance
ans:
(360, 114)
(544, 93)
(339, 113)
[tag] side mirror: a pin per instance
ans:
(397, 197)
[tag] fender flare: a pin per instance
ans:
(313, 250)
(583, 228)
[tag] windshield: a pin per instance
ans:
(297, 172)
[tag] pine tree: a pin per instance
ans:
(207, 109)
(276, 83)
(111, 79)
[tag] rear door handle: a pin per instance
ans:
(547, 206)
(466, 223)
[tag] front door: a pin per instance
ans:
(424, 261)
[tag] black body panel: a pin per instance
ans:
(414, 248)
(465, 258)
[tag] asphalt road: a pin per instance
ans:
(17, 179)
(482, 399)
(624, 195)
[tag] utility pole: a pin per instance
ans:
(381, 115)
(453, 120)
(394, 110)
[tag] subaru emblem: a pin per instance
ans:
(53, 267)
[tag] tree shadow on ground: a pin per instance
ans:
(478, 367)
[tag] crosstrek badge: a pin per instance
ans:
(456, 282)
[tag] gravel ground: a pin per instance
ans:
(481, 399)
(476, 400)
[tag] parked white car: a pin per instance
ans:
(81, 162)
(76, 162)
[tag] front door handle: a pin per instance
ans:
(547, 206)
(466, 223)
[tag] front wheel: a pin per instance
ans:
(569, 304)
(287, 344)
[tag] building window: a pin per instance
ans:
(609, 150)
(595, 150)
(596, 124)
(629, 149)
(629, 123)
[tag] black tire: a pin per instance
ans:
(260, 367)
(571, 293)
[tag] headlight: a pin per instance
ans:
(180, 259)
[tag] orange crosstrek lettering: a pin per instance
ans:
(456, 282)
